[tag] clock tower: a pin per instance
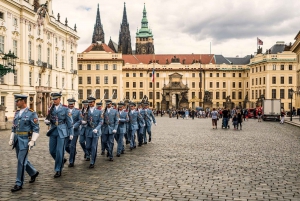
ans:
(144, 37)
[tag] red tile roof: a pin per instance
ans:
(163, 58)
(102, 47)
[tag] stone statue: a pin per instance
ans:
(228, 99)
(41, 12)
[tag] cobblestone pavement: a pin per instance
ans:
(186, 160)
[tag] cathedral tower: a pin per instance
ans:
(144, 37)
(124, 45)
(98, 34)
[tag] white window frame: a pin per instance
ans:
(2, 43)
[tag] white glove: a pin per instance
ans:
(11, 139)
(47, 122)
(114, 131)
(155, 124)
(144, 125)
(33, 139)
(83, 122)
(71, 137)
(95, 131)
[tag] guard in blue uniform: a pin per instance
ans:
(61, 127)
(82, 138)
(109, 128)
(149, 118)
(71, 144)
(123, 119)
(140, 131)
(134, 119)
(24, 133)
(99, 107)
(93, 124)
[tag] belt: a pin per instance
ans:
(22, 133)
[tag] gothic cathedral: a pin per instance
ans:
(98, 34)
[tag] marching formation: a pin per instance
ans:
(66, 124)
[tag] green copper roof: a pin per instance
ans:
(144, 31)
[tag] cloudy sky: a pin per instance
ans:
(189, 26)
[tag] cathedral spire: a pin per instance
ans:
(124, 45)
(144, 20)
(124, 20)
(98, 34)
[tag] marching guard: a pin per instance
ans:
(109, 128)
(134, 119)
(25, 132)
(148, 118)
(140, 131)
(123, 119)
(82, 138)
(61, 127)
(71, 145)
(93, 130)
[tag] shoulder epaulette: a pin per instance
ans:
(64, 105)
(31, 110)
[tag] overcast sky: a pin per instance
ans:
(188, 26)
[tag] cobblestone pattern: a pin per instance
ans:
(186, 160)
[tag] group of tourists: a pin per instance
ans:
(66, 124)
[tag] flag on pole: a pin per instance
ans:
(259, 42)
(153, 74)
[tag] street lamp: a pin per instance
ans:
(291, 91)
(9, 63)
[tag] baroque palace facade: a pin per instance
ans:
(46, 47)
(182, 80)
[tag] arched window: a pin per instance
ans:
(48, 55)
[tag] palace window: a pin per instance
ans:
(15, 47)
(127, 74)
(224, 74)
(141, 95)
(282, 93)
(56, 60)
(97, 79)
(115, 92)
(141, 85)
(49, 79)
(105, 79)
(89, 67)
(114, 66)
(240, 74)
(193, 74)
(157, 95)
(273, 80)
(89, 80)
(233, 95)
(134, 75)
(281, 67)
(256, 81)
(127, 84)
(141, 74)
(63, 62)
(274, 93)
(2, 100)
(233, 84)
(106, 92)
(30, 78)
(150, 84)
(97, 94)
(224, 95)
(264, 80)
(2, 43)
(63, 83)
(224, 84)
(48, 55)
(150, 95)
(157, 74)
(233, 74)
(217, 85)
(157, 84)
(88, 92)
(134, 95)
(274, 66)
(211, 85)
(240, 84)
(105, 66)
(150, 74)
(16, 77)
(218, 74)
(240, 95)
(71, 63)
(1, 15)
(281, 80)
(290, 67)
(29, 50)
(15, 22)
(260, 81)
(97, 66)
(210, 74)
(290, 80)
(217, 95)
(127, 95)
(40, 79)
(193, 84)
(114, 80)
(56, 82)
(79, 66)
(134, 84)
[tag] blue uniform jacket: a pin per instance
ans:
(123, 119)
(94, 121)
(62, 121)
(145, 116)
(110, 121)
(76, 116)
(149, 117)
(134, 118)
(27, 122)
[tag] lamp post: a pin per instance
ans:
(201, 95)
(9, 63)
(291, 91)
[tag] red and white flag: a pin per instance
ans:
(259, 42)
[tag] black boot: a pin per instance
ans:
(16, 188)
(57, 174)
(34, 177)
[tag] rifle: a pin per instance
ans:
(113, 95)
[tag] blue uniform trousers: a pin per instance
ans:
(148, 129)
(102, 145)
(119, 139)
(132, 138)
(57, 150)
(82, 140)
(71, 148)
(23, 164)
(140, 134)
(108, 140)
(91, 147)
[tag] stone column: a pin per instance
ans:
(2, 117)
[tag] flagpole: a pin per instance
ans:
(153, 78)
